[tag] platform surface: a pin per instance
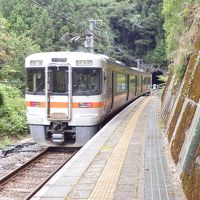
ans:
(123, 161)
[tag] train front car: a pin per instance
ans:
(64, 97)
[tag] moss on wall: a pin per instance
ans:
(188, 75)
(184, 124)
(175, 118)
(184, 92)
(194, 91)
(191, 180)
(167, 84)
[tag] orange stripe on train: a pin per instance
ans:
(65, 104)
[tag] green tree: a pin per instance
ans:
(12, 112)
(175, 13)
(134, 25)
(43, 32)
(14, 70)
(4, 40)
(157, 56)
(139, 26)
(4, 48)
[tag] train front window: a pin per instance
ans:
(86, 81)
(58, 79)
(35, 80)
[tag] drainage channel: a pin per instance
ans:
(157, 179)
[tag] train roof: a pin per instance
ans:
(77, 56)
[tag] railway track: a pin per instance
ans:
(25, 181)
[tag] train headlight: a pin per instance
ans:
(85, 105)
(84, 62)
(36, 63)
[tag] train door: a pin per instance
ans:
(128, 88)
(58, 93)
(136, 85)
(142, 84)
(132, 86)
(113, 89)
(110, 91)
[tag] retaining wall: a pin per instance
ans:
(181, 115)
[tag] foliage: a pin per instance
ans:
(4, 141)
(12, 113)
(163, 78)
(4, 40)
(54, 23)
(157, 56)
(174, 23)
(13, 70)
(1, 99)
(178, 18)
(139, 26)
(135, 26)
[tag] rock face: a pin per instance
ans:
(181, 115)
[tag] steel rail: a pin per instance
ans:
(11, 175)
(48, 178)
(30, 164)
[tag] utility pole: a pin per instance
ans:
(89, 40)
(91, 28)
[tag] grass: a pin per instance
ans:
(5, 141)
(10, 140)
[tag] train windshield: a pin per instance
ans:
(35, 80)
(86, 81)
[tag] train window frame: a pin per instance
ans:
(119, 88)
(40, 86)
(132, 82)
(78, 90)
(54, 79)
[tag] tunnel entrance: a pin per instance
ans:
(155, 77)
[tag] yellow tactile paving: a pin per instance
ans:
(107, 183)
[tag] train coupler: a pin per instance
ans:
(58, 138)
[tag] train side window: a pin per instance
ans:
(35, 80)
(121, 83)
(86, 81)
(132, 81)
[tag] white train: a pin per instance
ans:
(69, 94)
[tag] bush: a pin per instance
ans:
(12, 112)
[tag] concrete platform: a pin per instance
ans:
(123, 161)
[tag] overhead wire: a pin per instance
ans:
(121, 50)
